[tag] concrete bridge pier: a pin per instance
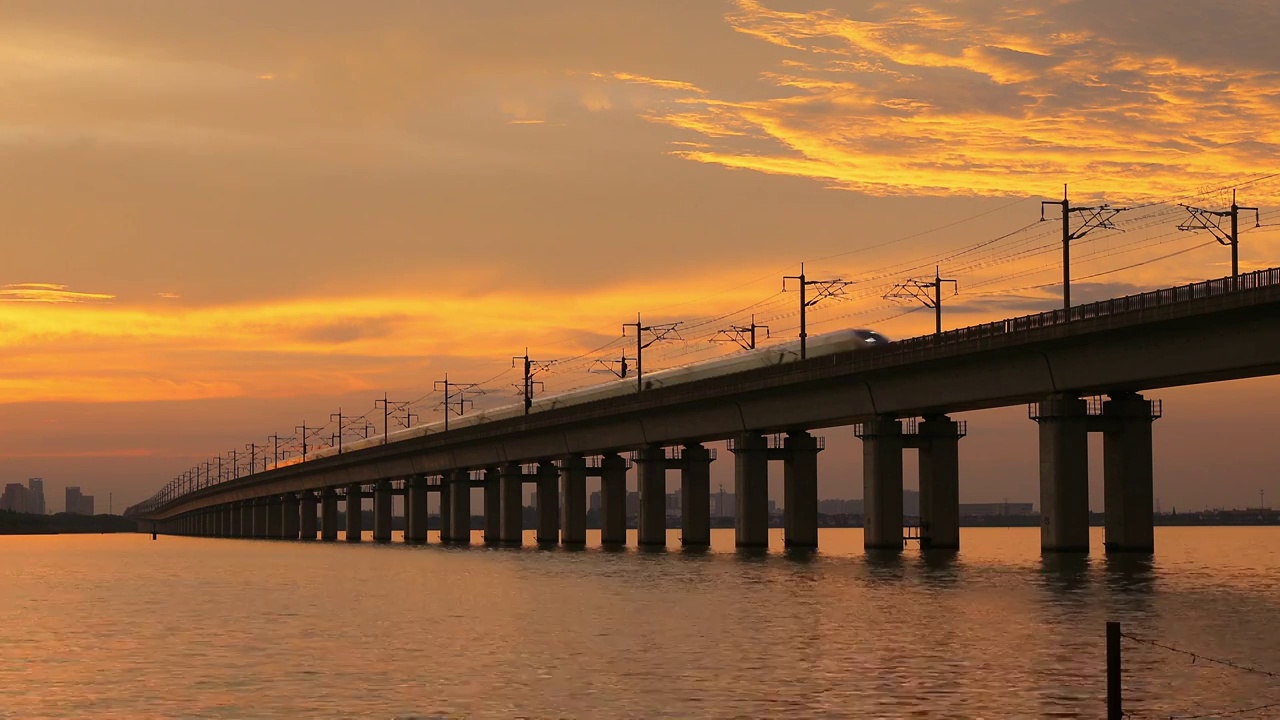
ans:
(651, 477)
(1064, 473)
(307, 516)
(939, 483)
(751, 485)
(328, 515)
(800, 490)
(275, 517)
(460, 506)
(415, 510)
(290, 521)
(1128, 476)
(547, 504)
(446, 509)
(613, 500)
(882, 483)
(511, 487)
(492, 506)
(382, 511)
(573, 501)
(225, 512)
(246, 518)
(260, 509)
(695, 496)
(355, 518)
(236, 511)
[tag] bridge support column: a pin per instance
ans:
(415, 510)
(237, 515)
(355, 513)
(492, 506)
(882, 484)
(512, 503)
(1128, 476)
(547, 504)
(751, 486)
(613, 500)
(328, 515)
(227, 514)
(1064, 474)
(651, 477)
(573, 501)
(695, 496)
(246, 518)
(289, 516)
(460, 507)
(382, 511)
(260, 509)
(275, 517)
(307, 516)
(446, 508)
(800, 490)
(939, 483)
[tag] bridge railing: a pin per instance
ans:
(1103, 308)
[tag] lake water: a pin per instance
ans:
(123, 626)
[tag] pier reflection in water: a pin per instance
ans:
(123, 626)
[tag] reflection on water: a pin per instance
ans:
(123, 626)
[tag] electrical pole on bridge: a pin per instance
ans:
(825, 289)
(1211, 220)
(531, 368)
(341, 428)
(920, 289)
(460, 391)
(659, 333)
(387, 407)
(1096, 217)
(303, 430)
(743, 335)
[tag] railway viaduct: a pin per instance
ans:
(900, 396)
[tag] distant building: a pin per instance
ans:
(596, 502)
(723, 504)
(633, 504)
(35, 488)
(1000, 508)
(78, 503)
(673, 503)
(16, 498)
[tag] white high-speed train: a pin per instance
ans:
(818, 345)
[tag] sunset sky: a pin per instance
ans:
(223, 219)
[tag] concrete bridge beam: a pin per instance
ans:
(1128, 474)
(290, 520)
(355, 515)
(275, 517)
(547, 504)
(328, 515)
(1064, 474)
(460, 506)
(695, 496)
(573, 501)
(260, 510)
(939, 483)
(751, 486)
(415, 510)
(446, 509)
(307, 516)
(382, 511)
(511, 487)
(613, 500)
(800, 490)
(492, 505)
(651, 474)
(882, 484)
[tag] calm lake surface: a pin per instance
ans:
(123, 626)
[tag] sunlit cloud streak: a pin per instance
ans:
(997, 98)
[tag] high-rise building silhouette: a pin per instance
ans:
(16, 498)
(35, 499)
(73, 499)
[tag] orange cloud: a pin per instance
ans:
(911, 100)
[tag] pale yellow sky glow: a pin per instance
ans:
(224, 218)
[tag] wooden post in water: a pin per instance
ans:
(1114, 710)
